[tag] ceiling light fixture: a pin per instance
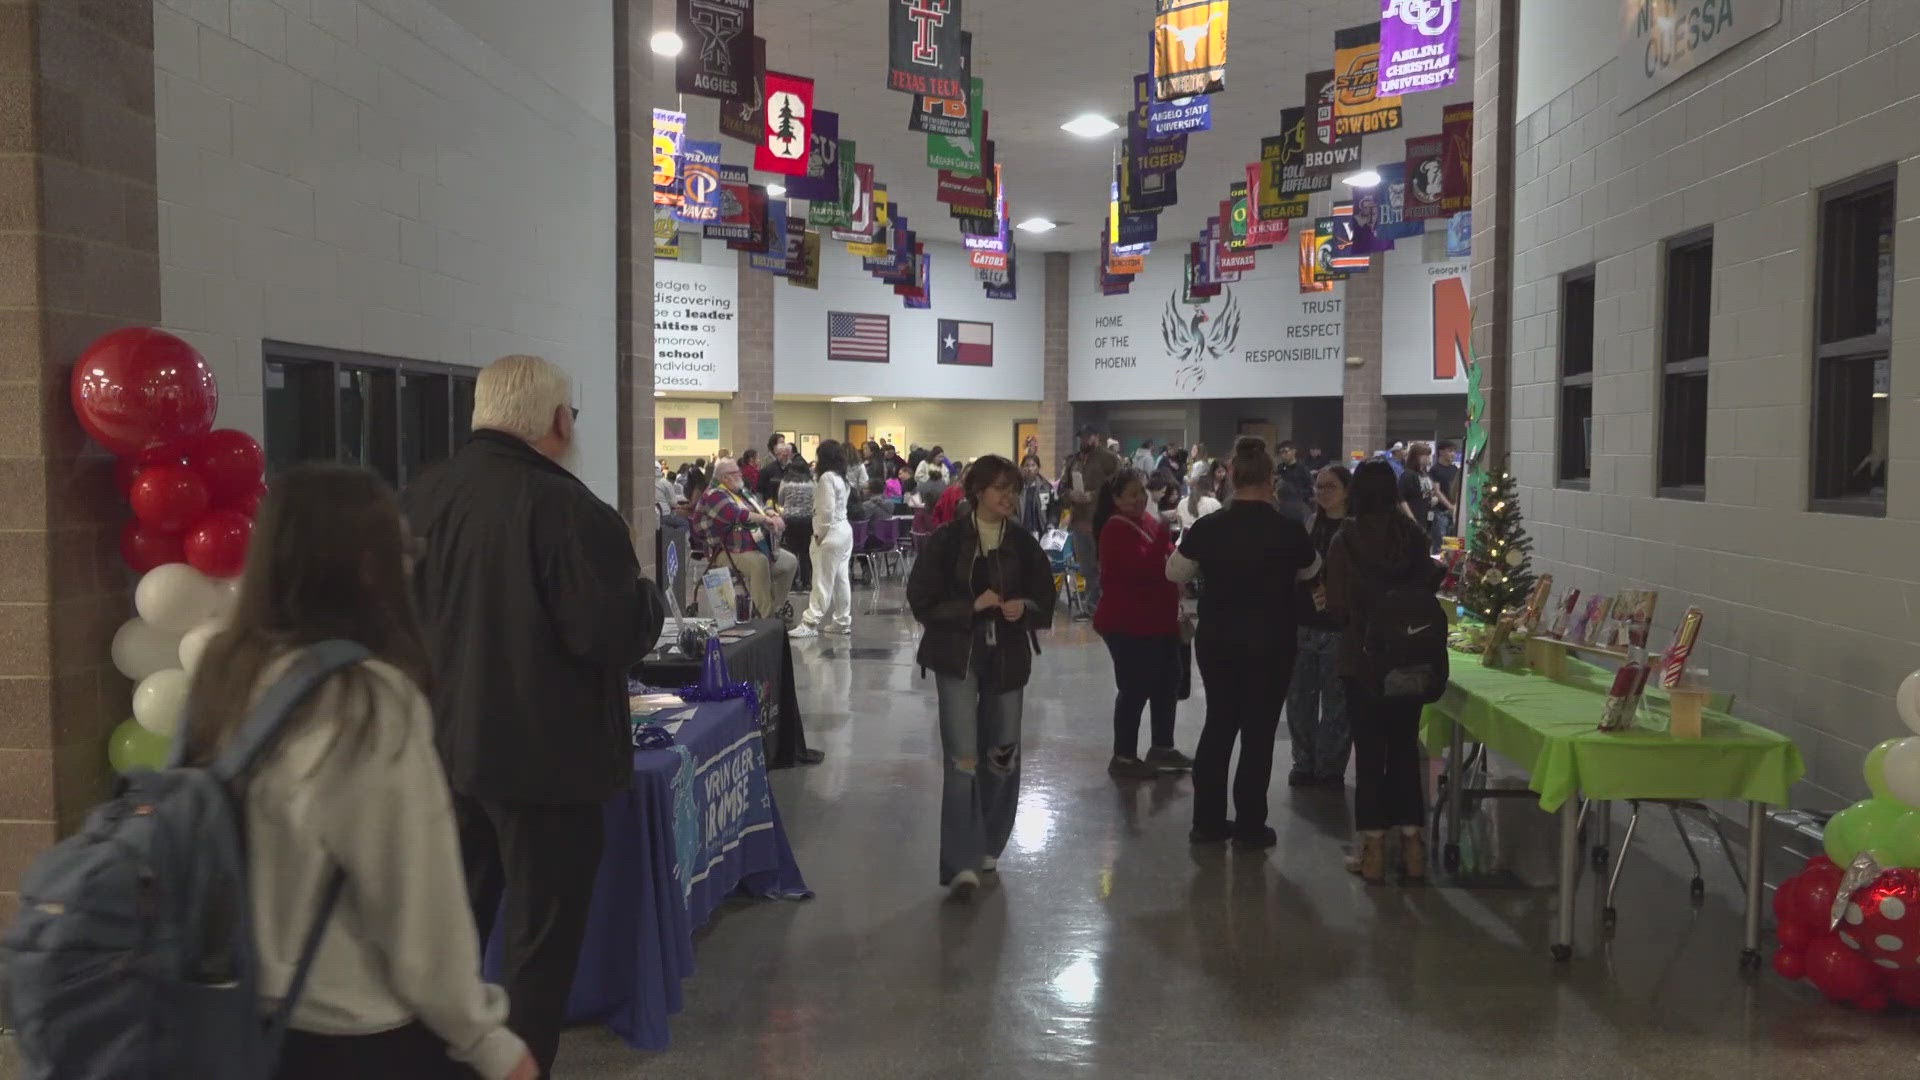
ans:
(852, 400)
(1036, 224)
(1363, 178)
(665, 43)
(776, 191)
(1090, 126)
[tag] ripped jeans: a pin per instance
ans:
(980, 741)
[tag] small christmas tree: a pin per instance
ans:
(788, 130)
(1499, 569)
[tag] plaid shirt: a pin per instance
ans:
(721, 522)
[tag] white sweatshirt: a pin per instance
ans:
(401, 944)
(829, 502)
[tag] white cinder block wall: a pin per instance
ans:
(421, 180)
(1811, 617)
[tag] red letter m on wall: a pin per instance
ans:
(1452, 327)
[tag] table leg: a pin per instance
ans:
(1605, 841)
(1569, 868)
(1756, 851)
(1450, 855)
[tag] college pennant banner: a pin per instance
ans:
(1456, 158)
(699, 182)
(925, 48)
(1419, 45)
(1390, 220)
(756, 238)
(669, 129)
(1177, 117)
(934, 115)
(1328, 150)
(736, 207)
(832, 213)
(1286, 181)
(956, 190)
(1310, 264)
(1426, 178)
(797, 232)
(822, 180)
(808, 276)
(860, 225)
(716, 55)
(1368, 209)
(1358, 109)
(1190, 49)
(1324, 270)
(961, 153)
(740, 116)
(774, 258)
(788, 119)
(1261, 232)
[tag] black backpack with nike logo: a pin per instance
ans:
(1404, 637)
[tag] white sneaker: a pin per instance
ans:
(964, 885)
(840, 629)
(989, 865)
(803, 631)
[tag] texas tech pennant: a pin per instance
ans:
(933, 115)
(788, 119)
(716, 60)
(924, 48)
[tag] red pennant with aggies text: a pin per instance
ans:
(788, 122)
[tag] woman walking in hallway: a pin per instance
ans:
(1317, 703)
(1250, 559)
(1378, 548)
(830, 607)
(1139, 618)
(981, 588)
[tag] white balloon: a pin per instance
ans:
(1902, 769)
(141, 648)
(1908, 700)
(159, 700)
(194, 643)
(177, 597)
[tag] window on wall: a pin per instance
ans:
(1683, 385)
(394, 417)
(1853, 345)
(1576, 378)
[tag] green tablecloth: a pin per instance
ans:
(1552, 730)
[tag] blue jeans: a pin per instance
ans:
(980, 740)
(1317, 707)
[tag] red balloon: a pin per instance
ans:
(1786, 901)
(230, 461)
(1819, 862)
(129, 467)
(1790, 964)
(1817, 891)
(1839, 972)
(217, 545)
(248, 504)
(1793, 934)
(138, 386)
(145, 549)
(168, 498)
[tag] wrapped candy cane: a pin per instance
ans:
(1674, 666)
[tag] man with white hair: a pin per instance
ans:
(731, 525)
(534, 609)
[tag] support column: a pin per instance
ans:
(1056, 410)
(1496, 24)
(79, 256)
(1363, 411)
(753, 404)
(634, 92)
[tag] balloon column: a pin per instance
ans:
(150, 399)
(1849, 922)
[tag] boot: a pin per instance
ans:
(1413, 853)
(1369, 857)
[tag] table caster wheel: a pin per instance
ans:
(1749, 959)
(1563, 953)
(1608, 918)
(1599, 857)
(1698, 890)
(1450, 857)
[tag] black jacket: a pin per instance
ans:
(940, 593)
(1367, 555)
(534, 609)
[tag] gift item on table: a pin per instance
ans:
(1674, 664)
(1632, 618)
(1623, 697)
(1563, 619)
(1453, 561)
(1587, 626)
(1499, 644)
(1536, 603)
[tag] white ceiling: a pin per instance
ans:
(1046, 61)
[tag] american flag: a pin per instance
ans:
(858, 337)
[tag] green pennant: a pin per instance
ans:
(956, 153)
(837, 215)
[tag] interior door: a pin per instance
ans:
(1022, 431)
(856, 435)
(1261, 428)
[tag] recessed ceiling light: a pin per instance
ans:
(1363, 178)
(1036, 224)
(666, 43)
(851, 400)
(777, 191)
(1090, 126)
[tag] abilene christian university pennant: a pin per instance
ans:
(1190, 48)
(924, 53)
(716, 60)
(788, 120)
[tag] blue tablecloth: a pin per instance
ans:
(697, 825)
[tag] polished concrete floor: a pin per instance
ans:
(1107, 947)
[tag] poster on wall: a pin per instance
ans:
(1424, 346)
(1190, 48)
(1358, 108)
(696, 340)
(740, 117)
(1258, 338)
(716, 58)
(686, 429)
(924, 48)
(1419, 45)
(1662, 40)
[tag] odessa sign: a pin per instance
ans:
(1662, 40)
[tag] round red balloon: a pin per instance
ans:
(217, 544)
(248, 504)
(1786, 901)
(230, 461)
(168, 498)
(1790, 964)
(127, 468)
(138, 386)
(1839, 972)
(145, 549)
(1817, 892)
(1793, 934)
(1819, 862)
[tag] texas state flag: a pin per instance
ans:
(963, 342)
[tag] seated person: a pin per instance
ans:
(730, 526)
(871, 504)
(900, 485)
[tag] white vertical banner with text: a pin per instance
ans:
(1261, 337)
(1426, 323)
(696, 326)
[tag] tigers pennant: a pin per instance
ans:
(788, 120)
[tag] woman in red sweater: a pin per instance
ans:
(1139, 616)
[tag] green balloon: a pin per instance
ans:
(134, 747)
(1897, 843)
(1876, 767)
(1861, 826)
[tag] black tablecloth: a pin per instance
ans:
(764, 659)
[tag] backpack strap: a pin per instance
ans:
(261, 729)
(282, 1016)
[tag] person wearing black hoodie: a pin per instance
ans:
(1379, 546)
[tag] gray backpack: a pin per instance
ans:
(133, 954)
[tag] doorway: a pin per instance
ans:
(1261, 428)
(1022, 431)
(856, 436)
